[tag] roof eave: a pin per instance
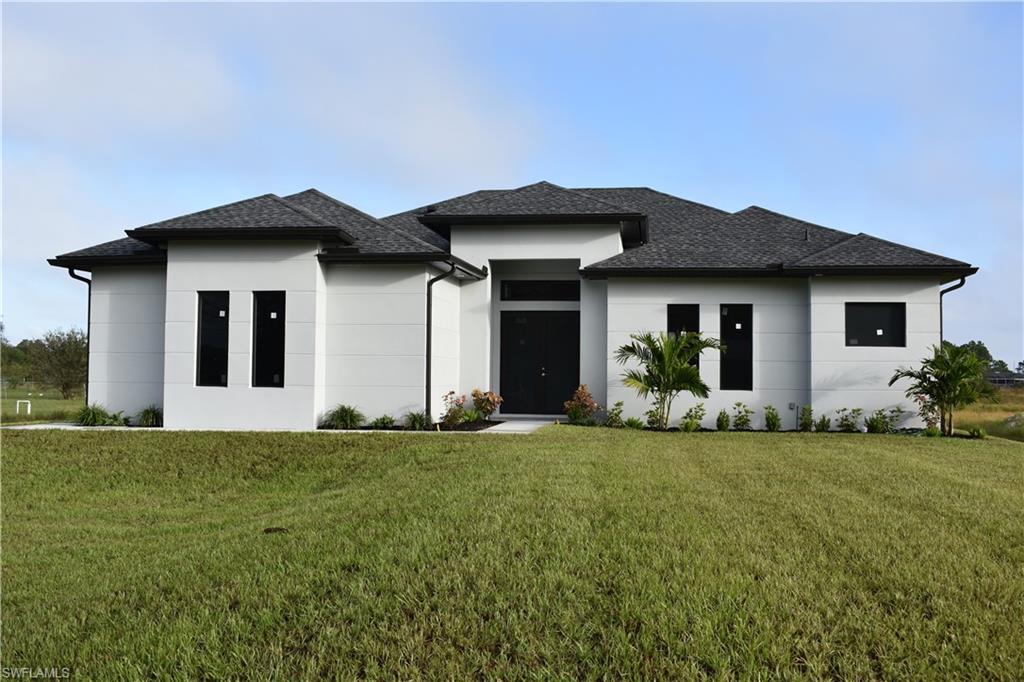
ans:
(436, 219)
(775, 271)
(403, 258)
(89, 262)
(159, 235)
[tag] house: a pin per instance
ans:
(264, 313)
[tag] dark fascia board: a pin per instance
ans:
(950, 273)
(435, 219)
(88, 262)
(400, 258)
(158, 235)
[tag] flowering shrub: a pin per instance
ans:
(454, 409)
(486, 402)
(581, 407)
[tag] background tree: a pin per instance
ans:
(954, 377)
(60, 359)
(665, 370)
(13, 362)
(1020, 367)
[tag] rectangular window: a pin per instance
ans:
(737, 365)
(684, 318)
(268, 338)
(876, 324)
(212, 344)
(540, 290)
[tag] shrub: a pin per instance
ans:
(343, 417)
(722, 421)
(692, 419)
(633, 423)
(847, 421)
(97, 415)
(614, 417)
(383, 422)
(150, 416)
(454, 409)
(580, 408)
(417, 421)
(823, 424)
(665, 369)
(472, 415)
(772, 420)
(741, 417)
(806, 420)
(932, 432)
(977, 432)
(881, 421)
(485, 402)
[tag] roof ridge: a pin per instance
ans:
(376, 221)
(799, 220)
(670, 196)
(621, 209)
(826, 248)
(303, 211)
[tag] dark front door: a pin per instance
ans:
(540, 360)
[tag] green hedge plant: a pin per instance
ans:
(722, 420)
(772, 420)
(692, 419)
(343, 417)
(806, 421)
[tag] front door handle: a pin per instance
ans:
(543, 371)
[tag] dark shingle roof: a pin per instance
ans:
(118, 250)
(369, 234)
(408, 221)
(265, 211)
(864, 250)
(538, 199)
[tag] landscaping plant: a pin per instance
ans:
(722, 421)
(97, 415)
(485, 402)
(741, 417)
(977, 432)
(343, 417)
(634, 423)
(882, 421)
(581, 407)
(384, 422)
(614, 417)
(823, 424)
(806, 420)
(150, 416)
(847, 420)
(472, 416)
(952, 378)
(665, 368)
(772, 421)
(454, 409)
(692, 419)
(417, 421)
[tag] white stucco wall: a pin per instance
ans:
(780, 339)
(530, 246)
(445, 350)
(126, 337)
(375, 327)
(858, 376)
(241, 268)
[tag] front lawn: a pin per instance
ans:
(573, 552)
(47, 405)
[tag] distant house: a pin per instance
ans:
(263, 313)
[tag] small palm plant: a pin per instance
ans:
(665, 370)
(952, 378)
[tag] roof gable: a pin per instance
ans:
(863, 250)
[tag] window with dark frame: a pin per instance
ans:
(684, 318)
(268, 339)
(736, 369)
(212, 339)
(540, 290)
(876, 324)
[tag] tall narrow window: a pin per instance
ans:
(212, 344)
(737, 365)
(876, 324)
(684, 318)
(268, 338)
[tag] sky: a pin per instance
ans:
(903, 121)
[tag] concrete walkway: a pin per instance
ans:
(519, 426)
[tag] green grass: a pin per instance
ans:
(47, 406)
(574, 552)
(992, 415)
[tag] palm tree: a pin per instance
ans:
(666, 368)
(952, 378)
